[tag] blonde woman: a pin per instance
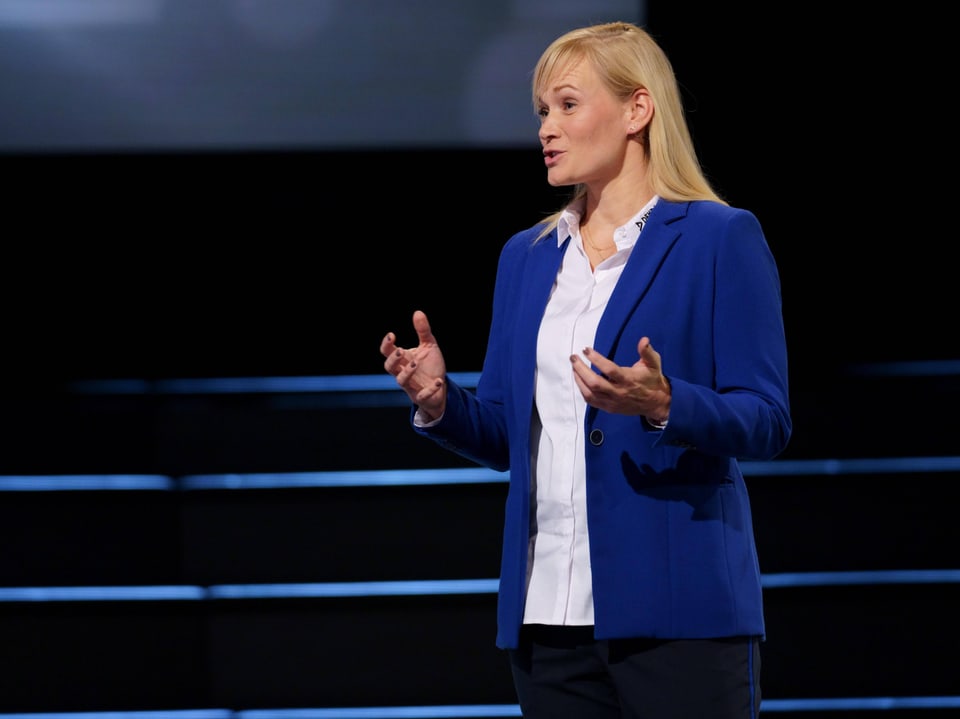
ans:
(636, 353)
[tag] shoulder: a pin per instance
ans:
(706, 211)
(710, 221)
(524, 241)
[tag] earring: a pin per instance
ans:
(633, 129)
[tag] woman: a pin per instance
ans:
(636, 352)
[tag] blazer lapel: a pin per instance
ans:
(655, 241)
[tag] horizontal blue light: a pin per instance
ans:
(381, 382)
(880, 465)
(377, 478)
(859, 704)
(412, 712)
(176, 592)
(254, 385)
(484, 710)
(893, 576)
(181, 593)
(921, 368)
(354, 589)
(82, 482)
(413, 477)
(427, 587)
(151, 714)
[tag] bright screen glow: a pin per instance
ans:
(78, 75)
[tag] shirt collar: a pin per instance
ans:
(569, 220)
(626, 235)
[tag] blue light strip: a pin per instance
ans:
(882, 465)
(156, 593)
(484, 710)
(84, 482)
(254, 385)
(378, 478)
(413, 712)
(182, 593)
(893, 576)
(428, 587)
(164, 714)
(859, 704)
(381, 382)
(922, 368)
(412, 477)
(354, 589)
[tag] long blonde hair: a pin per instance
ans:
(626, 57)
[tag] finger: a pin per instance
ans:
(388, 344)
(648, 354)
(393, 362)
(586, 377)
(422, 326)
(580, 367)
(406, 378)
(605, 367)
(429, 390)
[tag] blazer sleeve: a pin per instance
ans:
(744, 411)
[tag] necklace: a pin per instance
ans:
(586, 236)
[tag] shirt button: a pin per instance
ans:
(596, 437)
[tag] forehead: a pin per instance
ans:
(574, 72)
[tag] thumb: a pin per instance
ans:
(649, 356)
(422, 326)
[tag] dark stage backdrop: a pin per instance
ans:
(221, 213)
(145, 254)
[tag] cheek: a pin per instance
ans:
(595, 134)
(608, 140)
(603, 129)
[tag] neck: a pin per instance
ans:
(615, 202)
(602, 248)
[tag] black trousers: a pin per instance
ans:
(564, 673)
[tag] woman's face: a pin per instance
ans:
(583, 127)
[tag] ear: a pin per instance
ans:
(639, 110)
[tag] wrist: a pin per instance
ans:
(661, 416)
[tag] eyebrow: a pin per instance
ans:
(557, 89)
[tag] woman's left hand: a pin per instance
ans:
(640, 389)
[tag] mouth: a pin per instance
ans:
(550, 157)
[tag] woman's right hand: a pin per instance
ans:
(420, 371)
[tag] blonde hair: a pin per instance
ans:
(626, 57)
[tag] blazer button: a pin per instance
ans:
(596, 437)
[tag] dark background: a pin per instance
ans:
(833, 127)
(297, 261)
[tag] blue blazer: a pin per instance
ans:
(671, 537)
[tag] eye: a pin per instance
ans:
(542, 112)
(569, 104)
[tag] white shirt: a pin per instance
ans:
(559, 580)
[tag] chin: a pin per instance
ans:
(554, 181)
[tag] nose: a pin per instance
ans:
(547, 130)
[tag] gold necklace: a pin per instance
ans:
(586, 236)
